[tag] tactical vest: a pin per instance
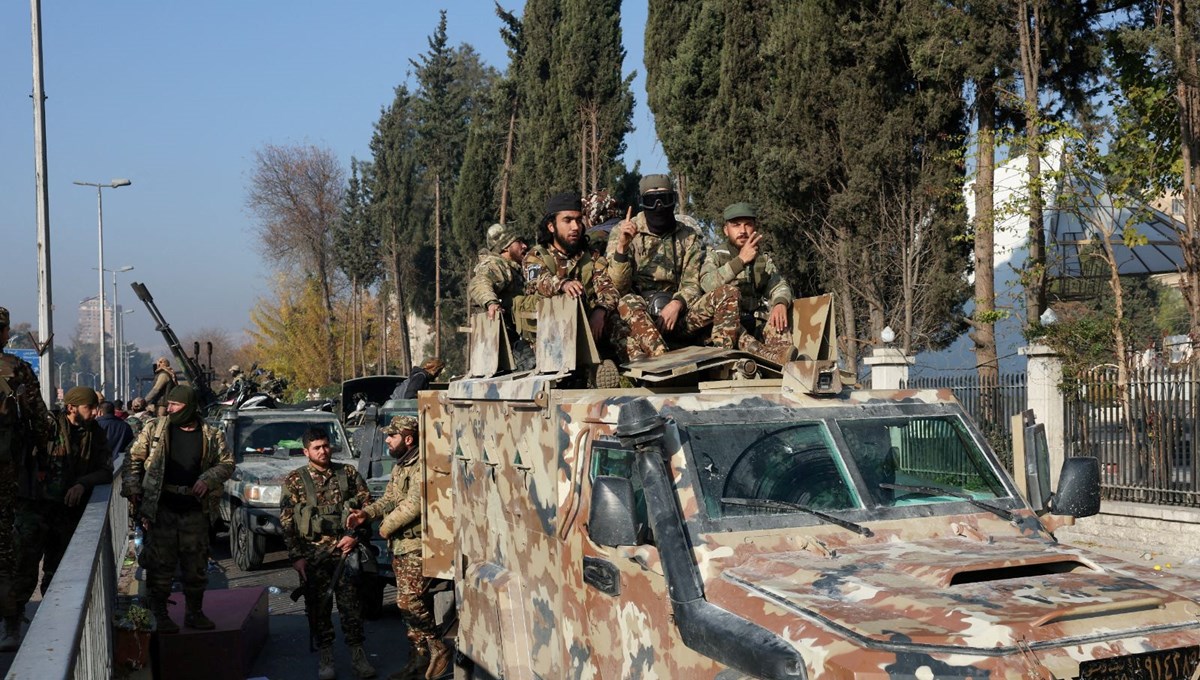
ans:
(10, 411)
(316, 521)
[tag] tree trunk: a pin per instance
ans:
(983, 324)
(506, 173)
(583, 149)
(594, 114)
(1031, 66)
(353, 326)
(1188, 94)
(404, 358)
(437, 265)
(330, 344)
(846, 303)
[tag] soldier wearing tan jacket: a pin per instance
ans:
(400, 507)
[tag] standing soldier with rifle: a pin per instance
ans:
(24, 428)
(400, 507)
(317, 501)
(164, 382)
(176, 474)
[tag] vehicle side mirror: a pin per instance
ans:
(1078, 488)
(612, 520)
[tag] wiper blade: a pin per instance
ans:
(937, 491)
(785, 505)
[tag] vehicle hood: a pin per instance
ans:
(956, 592)
(266, 470)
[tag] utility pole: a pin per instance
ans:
(45, 298)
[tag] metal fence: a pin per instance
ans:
(990, 404)
(70, 637)
(1144, 438)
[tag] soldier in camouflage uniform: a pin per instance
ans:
(317, 500)
(175, 477)
(52, 491)
(164, 381)
(497, 278)
(25, 427)
(766, 298)
(653, 256)
(564, 263)
(400, 508)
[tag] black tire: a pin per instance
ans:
(247, 548)
(370, 594)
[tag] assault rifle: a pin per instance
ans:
(191, 366)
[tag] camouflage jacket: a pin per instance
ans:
(77, 455)
(328, 494)
(546, 268)
(759, 283)
(22, 408)
(669, 263)
(400, 507)
(496, 279)
(147, 463)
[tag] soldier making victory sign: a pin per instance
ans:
(651, 258)
(176, 475)
(317, 502)
(400, 508)
(765, 297)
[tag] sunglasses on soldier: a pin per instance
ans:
(658, 199)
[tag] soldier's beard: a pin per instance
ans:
(571, 249)
(405, 456)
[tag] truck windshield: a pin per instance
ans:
(901, 461)
(910, 460)
(265, 437)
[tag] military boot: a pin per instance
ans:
(607, 376)
(439, 659)
(12, 634)
(325, 668)
(779, 357)
(358, 659)
(418, 663)
(195, 618)
(162, 619)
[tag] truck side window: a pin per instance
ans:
(610, 460)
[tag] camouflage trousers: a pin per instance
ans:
(639, 337)
(320, 575)
(43, 530)
(176, 539)
(773, 340)
(8, 548)
(413, 599)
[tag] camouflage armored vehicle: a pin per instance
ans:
(724, 519)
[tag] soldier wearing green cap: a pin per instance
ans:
(653, 256)
(765, 297)
(497, 277)
(400, 508)
(25, 428)
(53, 491)
(175, 477)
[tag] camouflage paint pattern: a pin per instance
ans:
(147, 464)
(635, 334)
(915, 600)
(760, 283)
(176, 539)
(400, 508)
(547, 269)
(413, 600)
(328, 494)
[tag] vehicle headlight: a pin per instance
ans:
(258, 494)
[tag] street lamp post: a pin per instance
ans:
(100, 232)
(117, 339)
(123, 362)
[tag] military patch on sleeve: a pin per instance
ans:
(532, 272)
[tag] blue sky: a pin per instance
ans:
(176, 97)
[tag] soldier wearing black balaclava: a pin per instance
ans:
(177, 468)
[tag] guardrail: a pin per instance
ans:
(71, 634)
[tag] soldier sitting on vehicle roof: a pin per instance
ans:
(654, 261)
(765, 298)
(497, 283)
(564, 263)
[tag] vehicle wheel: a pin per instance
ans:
(371, 596)
(247, 547)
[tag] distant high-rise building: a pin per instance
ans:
(89, 319)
